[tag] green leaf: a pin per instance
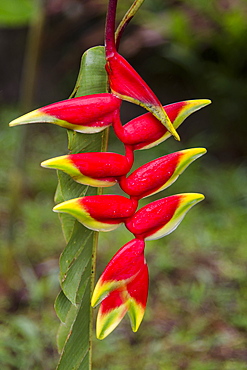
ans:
(77, 262)
(62, 306)
(92, 78)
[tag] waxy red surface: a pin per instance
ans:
(91, 110)
(125, 81)
(102, 164)
(151, 176)
(145, 129)
(108, 208)
(153, 216)
(126, 263)
(138, 287)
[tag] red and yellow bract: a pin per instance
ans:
(86, 114)
(99, 212)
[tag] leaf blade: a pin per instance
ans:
(78, 258)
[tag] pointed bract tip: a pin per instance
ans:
(175, 135)
(107, 323)
(111, 312)
(189, 200)
(200, 103)
(195, 196)
(136, 313)
(57, 162)
(194, 152)
(161, 115)
(67, 206)
(31, 117)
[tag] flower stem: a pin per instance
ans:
(110, 46)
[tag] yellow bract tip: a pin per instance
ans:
(57, 162)
(31, 117)
(71, 206)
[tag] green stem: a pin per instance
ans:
(126, 19)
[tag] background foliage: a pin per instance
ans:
(196, 316)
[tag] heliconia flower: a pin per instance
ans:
(131, 298)
(125, 82)
(99, 212)
(158, 174)
(146, 131)
(100, 169)
(121, 269)
(86, 114)
(161, 217)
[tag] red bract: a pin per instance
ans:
(138, 294)
(125, 82)
(161, 217)
(94, 169)
(159, 174)
(86, 114)
(99, 212)
(131, 299)
(128, 85)
(125, 264)
(146, 131)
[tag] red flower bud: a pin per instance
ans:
(86, 114)
(94, 169)
(146, 131)
(99, 212)
(161, 217)
(159, 173)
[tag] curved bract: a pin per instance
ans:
(159, 173)
(146, 131)
(161, 217)
(125, 264)
(131, 299)
(122, 288)
(99, 169)
(99, 212)
(87, 114)
(126, 83)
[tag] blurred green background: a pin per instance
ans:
(196, 316)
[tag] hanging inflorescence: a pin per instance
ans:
(123, 286)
